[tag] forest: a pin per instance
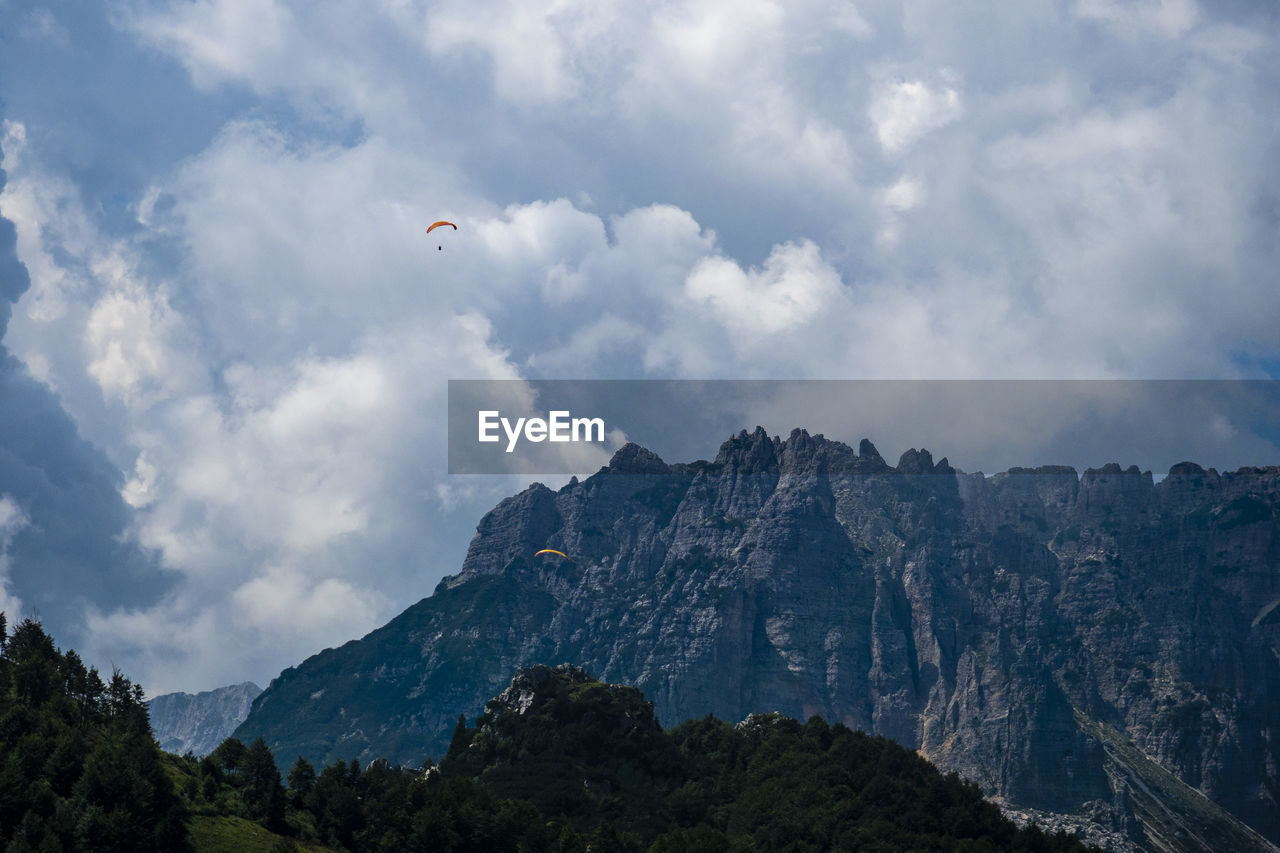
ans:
(564, 763)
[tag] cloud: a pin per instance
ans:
(62, 521)
(787, 293)
(1162, 18)
(12, 519)
(538, 53)
(135, 339)
(233, 299)
(905, 111)
(549, 236)
(219, 40)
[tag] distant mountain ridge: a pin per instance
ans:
(197, 723)
(1041, 632)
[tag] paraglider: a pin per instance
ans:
(435, 225)
(551, 551)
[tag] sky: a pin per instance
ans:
(225, 337)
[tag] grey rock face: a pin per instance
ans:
(197, 723)
(527, 685)
(976, 619)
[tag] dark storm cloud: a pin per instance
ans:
(70, 551)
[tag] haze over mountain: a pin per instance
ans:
(1098, 642)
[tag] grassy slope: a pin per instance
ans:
(237, 835)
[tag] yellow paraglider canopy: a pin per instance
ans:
(551, 551)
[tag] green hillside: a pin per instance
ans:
(557, 762)
(79, 768)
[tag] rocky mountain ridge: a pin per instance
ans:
(977, 619)
(197, 723)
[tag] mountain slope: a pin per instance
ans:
(197, 723)
(968, 617)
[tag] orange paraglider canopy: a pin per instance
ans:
(436, 225)
(551, 551)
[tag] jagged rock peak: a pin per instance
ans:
(1191, 471)
(520, 524)
(867, 450)
(1112, 473)
(1187, 479)
(753, 452)
(529, 684)
(631, 458)
(801, 447)
(917, 462)
(757, 453)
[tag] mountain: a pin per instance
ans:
(1063, 640)
(562, 762)
(183, 722)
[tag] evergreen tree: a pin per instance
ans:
(5, 679)
(302, 781)
(33, 657)
(77, 771)
(229, 756)
(335, 802)
(461, 738)
(263, 793)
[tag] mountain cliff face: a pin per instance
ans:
(197, 723)
(999, 625)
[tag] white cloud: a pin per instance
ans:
(289, 603)
(1164, 18)
(292, 462)
(1229, 43)
(790, 290)
(31, 204)
(539, 52)
(134, 337)
(551, 236)
(575, 354)
(904, 195)
(219, 39)
(906, 110)
(12, 520)
(139, 490)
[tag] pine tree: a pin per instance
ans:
(229, 756)
(33, 657)
(302, 780)
(5, 679)
(263, 793)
